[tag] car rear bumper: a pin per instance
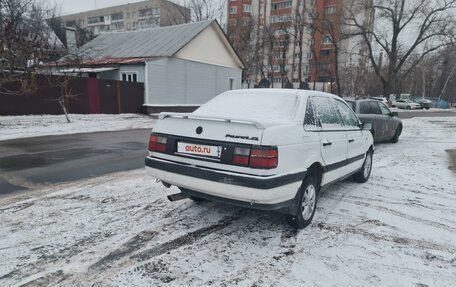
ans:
(259, 192)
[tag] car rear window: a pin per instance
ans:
(251, 105)
(375, 109)
(364, 108)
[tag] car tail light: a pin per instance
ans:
(241, 156)
(157, 143)
(264, 157)
(257, 157)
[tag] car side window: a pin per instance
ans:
(375, 109)
(327, 113)
(310, 122)
(385, 110)
(348, 116)
(364, 108)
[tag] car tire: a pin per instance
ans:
(398, 132)
(409, 107)
(308, 194)
(364, 174)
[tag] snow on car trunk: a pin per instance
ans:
(235, 116)
(264, 106)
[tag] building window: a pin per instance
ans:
(233, 10)
(247, 8)
(117, 26)
(309, 56)
(325, 79)
(325, 53)
(323, 66)
(281, 5)
(329, 10)
(326, 40)
(149, 12)
(281, 19)
(281, 43)
(130, 77)
(280, 32)
(117, 16)
(93, 20)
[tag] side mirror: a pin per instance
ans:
(367, 126)
(395, 114)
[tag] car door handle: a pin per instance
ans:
(327, 143)
(351, 140)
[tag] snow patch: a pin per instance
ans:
(13, 127)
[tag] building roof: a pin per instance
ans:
(157, 42)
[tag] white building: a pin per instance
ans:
(181, 66)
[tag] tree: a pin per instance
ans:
(201, 10)
(25, 42)
(83, 36)
(247, 42)
(405, 32)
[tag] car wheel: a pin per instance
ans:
(307, 203)
(364, 174)
(427, 108)
(409, 107)
(398, 132)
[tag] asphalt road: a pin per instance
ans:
(34, 162)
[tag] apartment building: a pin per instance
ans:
(300, 48)
(129, 17)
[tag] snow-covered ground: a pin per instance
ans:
(12, 127)
(398, 229)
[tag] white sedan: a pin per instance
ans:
(268, 149)
(406, 104)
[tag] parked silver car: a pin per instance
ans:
(386, 124)
(406, 104)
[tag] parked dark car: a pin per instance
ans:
(386, 124)
(425, 104)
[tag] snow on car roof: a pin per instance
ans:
(258, 104)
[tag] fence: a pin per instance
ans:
(86, 96)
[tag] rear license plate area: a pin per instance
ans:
(199, 150)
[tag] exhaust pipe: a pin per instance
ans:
(177, 196)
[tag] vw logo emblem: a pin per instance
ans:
(199, 130)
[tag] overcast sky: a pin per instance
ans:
(75, 6)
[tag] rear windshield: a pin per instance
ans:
(251, 105)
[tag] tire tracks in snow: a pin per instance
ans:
(397, 213)
(130, 253)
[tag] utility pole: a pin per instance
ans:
(424, 84)
(446, 82)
